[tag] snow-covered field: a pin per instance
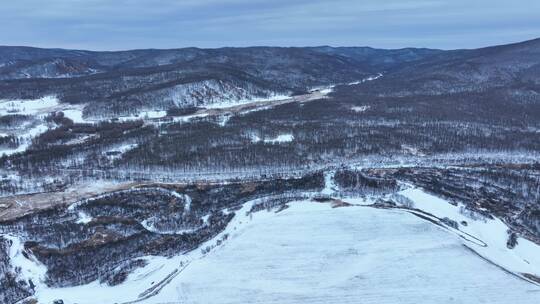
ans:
(313, 253)
(41, 107)
(28, 107)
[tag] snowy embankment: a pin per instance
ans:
(486, 237)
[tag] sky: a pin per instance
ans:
(130, 24)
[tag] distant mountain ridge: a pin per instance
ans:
(511, 67)
(159, 79)
(129, 81)
(28, 62)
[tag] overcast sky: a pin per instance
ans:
(128, 24)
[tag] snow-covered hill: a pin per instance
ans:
(313, 252)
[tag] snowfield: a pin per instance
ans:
(313, 253)
(28, 107)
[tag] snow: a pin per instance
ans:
(84, 218)
(327, 91)
(329, 183)
(38, 108)
(150, 114)
(330, 88)
(360, 109)
(254, 138)
(149, 225)
(76, 115)
(205, 218)
(29, 268)
(121, 149)
(282, 138)
(323, 89)
(28, 107)
(188, 118)
(232, 103)
(412, 150)
(492, 233)
(157, 270)
(371, 78)
(312, 253)
(26, 139)
(224, 119)
(50, 104)
(126, 147)
(187, 198)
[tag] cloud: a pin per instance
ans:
(123, 24)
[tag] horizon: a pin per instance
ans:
(263, 46)
(102, 25)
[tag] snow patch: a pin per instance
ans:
(76, 115)
(360, 109)
(84, 218)
(232, 103)
(117, 151)
(28, 268)
(282, 138)
(25, 138)
(329, 183)
(28, 107)
(151, 114)
(370, 78)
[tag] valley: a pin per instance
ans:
(270, 175)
